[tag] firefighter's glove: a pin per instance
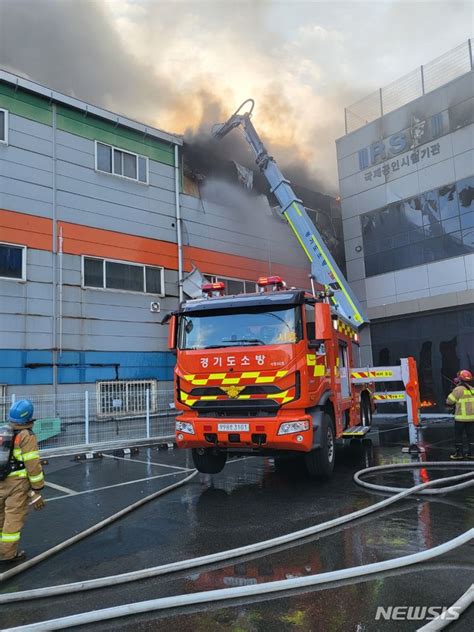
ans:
(36, 500)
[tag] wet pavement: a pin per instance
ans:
(248, 502)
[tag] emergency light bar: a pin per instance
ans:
(276, 281)
(211, 289)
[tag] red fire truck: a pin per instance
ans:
(274, 372)
(267, 373)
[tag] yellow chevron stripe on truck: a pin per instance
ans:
(232, 378)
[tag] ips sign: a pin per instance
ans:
(421, 131)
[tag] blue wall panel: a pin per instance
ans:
(27, 367)
(91, 366)
(19, 366)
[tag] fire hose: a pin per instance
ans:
(93, 529)
(461, 481)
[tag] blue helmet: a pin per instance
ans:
(21, 412)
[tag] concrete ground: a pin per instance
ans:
(249, 501)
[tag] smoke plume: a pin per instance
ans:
(184, 65)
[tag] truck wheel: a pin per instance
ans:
(365, 412)
(209, 460)
(320, 461)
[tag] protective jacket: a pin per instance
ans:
(26, 456)
(26, 474)
(463, 398)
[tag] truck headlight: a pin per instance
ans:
(184, 426)
(293, 426)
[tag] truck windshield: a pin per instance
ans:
(213, 330)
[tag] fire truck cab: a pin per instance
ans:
(266, 373)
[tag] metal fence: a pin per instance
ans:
(426, 78)
(77, 421)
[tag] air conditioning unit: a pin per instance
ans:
(155, 307)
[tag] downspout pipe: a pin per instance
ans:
(54, 267)
(179, 237)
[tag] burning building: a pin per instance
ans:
(90, 259)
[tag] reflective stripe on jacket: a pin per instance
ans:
(463, 398)
(25, 452)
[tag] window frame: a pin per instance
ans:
(104, 287)
(23, 262)
(5, 127)
(113, 148)
(106, 389)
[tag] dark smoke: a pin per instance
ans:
(206, 155)
(73, 47)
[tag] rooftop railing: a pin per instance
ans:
(416, 83)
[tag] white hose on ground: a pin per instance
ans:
(458, 607)
(84, 534)
(184, 565)
(179, 601)
(407, 466)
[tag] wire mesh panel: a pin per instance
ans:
(402, 91)
(423, 79)
(162, 423)
(364, 111)
(447, 67)
(82, 420)
(125, 397)
(59, 419)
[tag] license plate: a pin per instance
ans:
(233, 427)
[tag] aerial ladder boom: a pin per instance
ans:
(323, 267)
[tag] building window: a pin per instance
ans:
(12, 262)
(121, 163)
(126, 398)
(107, 274)
(234, 286)
(435, 225)
(4, 126)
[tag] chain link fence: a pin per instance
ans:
(81, 421)
(436, 73)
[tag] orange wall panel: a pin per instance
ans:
(27, 230)
(36, 232)
(97, 242)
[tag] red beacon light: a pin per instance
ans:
(276, 281)
(213, 289)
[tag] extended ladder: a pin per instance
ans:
(323, 267)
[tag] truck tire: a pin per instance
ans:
(209, 460)
(320, 461)
(365, 412)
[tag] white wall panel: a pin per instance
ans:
(464, 165)
(445, 272)
(436, 175)
(463, 139)
(411, 279)
(380, 287)
(355, 270)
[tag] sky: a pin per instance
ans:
(184, 65)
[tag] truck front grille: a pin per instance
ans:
(236, 408)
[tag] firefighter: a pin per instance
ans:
(462, 398)
(23, 482)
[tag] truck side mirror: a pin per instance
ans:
(323, 321)
(172, 326)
